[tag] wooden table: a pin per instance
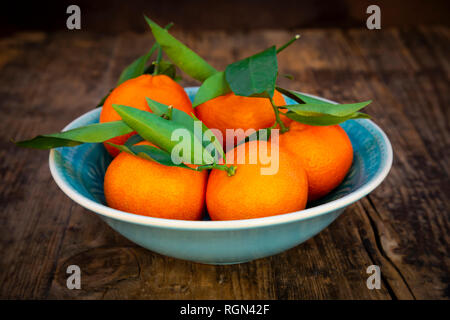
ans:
(46, 80)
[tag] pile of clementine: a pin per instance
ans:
(307, 160)
(312, 161)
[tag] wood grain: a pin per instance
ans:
(47, 79)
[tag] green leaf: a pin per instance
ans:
(167, 68)
(186, 59)
(94, 133)
(122, 147)
(254, 76)
(178, 116)
(149, 126)
(135, 138)
(291, 94)
(217, 145)
(138, 66)
(150, 153)
(214, 86)
(317, 112)
(339, 110)
(158, 155)
(159, 131)
(324, 119)
(261, 134)
(186, 120)
(304, 99)
(308, 99)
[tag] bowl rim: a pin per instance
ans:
(304, 214)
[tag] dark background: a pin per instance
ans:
(113, 16)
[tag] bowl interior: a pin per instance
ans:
(83, 167)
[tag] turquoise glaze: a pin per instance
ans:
(79, 172)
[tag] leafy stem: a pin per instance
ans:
(157, 62)
(278, 120)
(230, 170)
(159, 55)
(287, 44)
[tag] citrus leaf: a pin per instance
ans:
(167, 68)
(216, 85)
(291, 94)
(149, 153)
(93, 133)
(254, 76)
(186, 120)
(324, 119)
(308, 99)
(186, 59)
(122, 147)
(135, 138)
(339, 110)
(261, 134)
(158, 155)
(218, 147)
(178, 116)
(137, 67)
(305, 99)
(151, 127)
(160, 131)
(314, 111)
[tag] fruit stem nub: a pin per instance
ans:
(168, 115)
(231, 170)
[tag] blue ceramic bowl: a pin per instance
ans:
(79, 172)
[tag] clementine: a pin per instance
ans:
(325, 152)
(133, 92)
(145, 187)
(236, 112)
(251, 194)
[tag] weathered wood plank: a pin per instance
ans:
(38, 94)
(413, 212)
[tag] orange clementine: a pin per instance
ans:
(236, 112)
(325, 152)
(145, 187)
(251, 194)
(133, 92)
